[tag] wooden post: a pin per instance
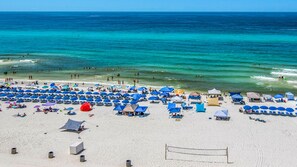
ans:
(165, 151)
(227, 153)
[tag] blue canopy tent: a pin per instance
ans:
(290, 96)
(171, 105)
(221, 114)
(136, 96)
(119, 108)
(236, 98)
(200, 107)
(141, 109)
(174, 110)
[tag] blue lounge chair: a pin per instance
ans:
(185, 107)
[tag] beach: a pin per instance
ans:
(111, 139)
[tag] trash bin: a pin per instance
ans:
(13, 151)
(82, 158)
(128, 163)
(50, 154)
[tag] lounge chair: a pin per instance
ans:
(185, 107)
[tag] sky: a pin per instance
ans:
(150, 5)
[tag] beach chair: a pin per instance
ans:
(185, 107)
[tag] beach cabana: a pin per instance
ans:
(213, 101)
(222, 115)
(267, 97)
(177, 99)
(290, 96)
(200, 107)
(72, 125)
(195, 96)
(237, 98)
(85, 107)
(129, 109)
(253, 97)
(214, 92)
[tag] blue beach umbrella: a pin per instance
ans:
(166, 89)
(116, 101)
(28, 91)
(279, 96)
(73, 98)
(119, 108)
(264, 107)
(72, 93)
(36, 91)
(110, 94)
(142, 89)
(289, 109)
(255, 107)
(43, 91)
(153, 98)
(96, 93)
(154, 92)
(126, 95)
(272, 108)
(98, 100)
(247, 107)
(106, 101)
(52, 91)
(80, 93)
(281, 109)
(58, 97)
(125, 101)
(88, 93)
(103, 94)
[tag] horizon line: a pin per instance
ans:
(124, 11)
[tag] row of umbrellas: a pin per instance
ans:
(272, 108)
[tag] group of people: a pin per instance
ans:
(14, 105)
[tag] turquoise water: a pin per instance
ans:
(229, 51)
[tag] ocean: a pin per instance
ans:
(195, 51)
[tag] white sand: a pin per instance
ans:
(142, 140)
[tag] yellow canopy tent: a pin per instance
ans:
(179, 91)
(213, 101)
